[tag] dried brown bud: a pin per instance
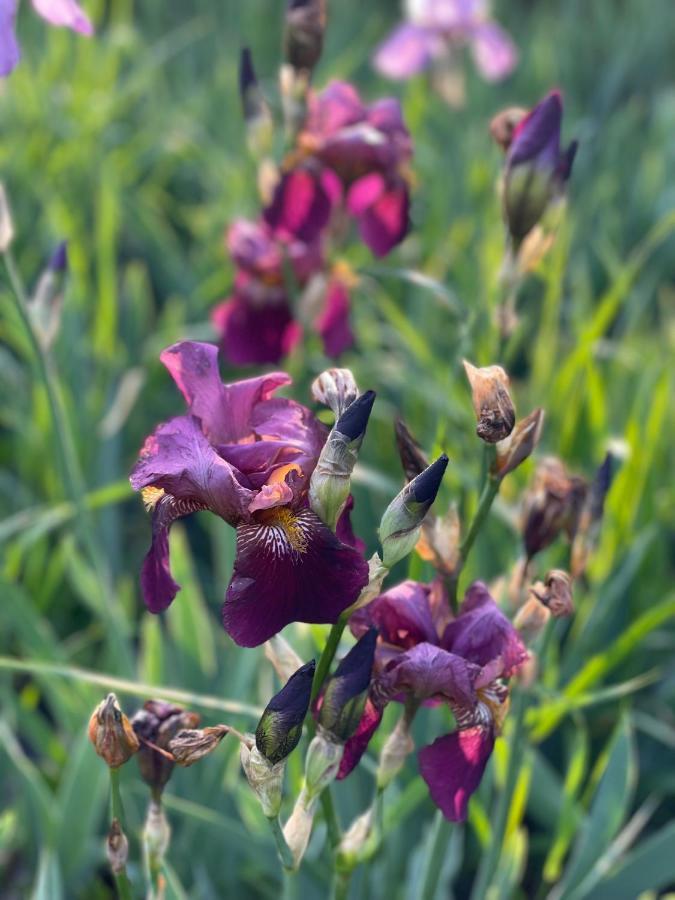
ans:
(117, 848)
(531, 619)
(111, 733)
(413, 458)
(491, 402)
(192, 744)
(439, 541)
(519, 444)
(551, 506)
(504, 123)
(303, 37)
(555, 593)
(155, 725)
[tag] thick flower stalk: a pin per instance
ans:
(248, 457)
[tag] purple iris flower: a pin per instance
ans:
(536, 168)
(257, 324)
(435, 29)
(427, 656)
(246, 456)
(351, 156)
(66, 13)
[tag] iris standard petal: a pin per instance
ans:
(409, 49)
(332, 323)
(66, 13)
(253, 335)
(302, 204)
(428, 672)
(9, 46)
(382, 210)
(493, 51)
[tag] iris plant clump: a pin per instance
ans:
(282, 479)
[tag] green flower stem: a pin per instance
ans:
(328, 654)
(116, 807)
(283, 849)
(433, 860)
(490, 490)
(341, 881)
(491, 857)
(330, 816)
(124, 890)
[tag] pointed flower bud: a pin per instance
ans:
(345, 695)
(155, 725)
(516, 448)
(111, 733)
(588, 530)
(256, 112)
(536, 168)
(280, 726)
(402, 521)
(156, 832)
(298, 828)
(322, 762)
(117, 848)
(359, 842)
(303, 36)
(192, 744)
(412, 456)
(46, 303)
(491, 402)
(398, 746)
(265, 779)
(58, 261)
(555, 593)
(331, 479)
(335, 388)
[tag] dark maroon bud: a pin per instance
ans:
(346, 692)
(425, 486)
(412, 456)
(280, 726)
(58, 261)
(353, 422)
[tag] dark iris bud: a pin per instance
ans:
(58, 261)
(331, 479)
(590, 520)
(402, 521)
(256, 112)
(303, 37)
(412, 456)
(346, 692)
(157, 723)
(280, 726)
(353, 422)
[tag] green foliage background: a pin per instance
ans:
(131, 146)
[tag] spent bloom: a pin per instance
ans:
(435, 30)
(350, 157)
(536, 168)
(111, 733)
(427, 655)
(246, 456)
(66, 13)
(257, 324)
(155, 726)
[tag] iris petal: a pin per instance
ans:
(289, 567)
(453, 767)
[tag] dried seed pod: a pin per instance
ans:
(491, 402)
(111, 733)
(192, 744)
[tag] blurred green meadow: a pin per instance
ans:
(130, 146)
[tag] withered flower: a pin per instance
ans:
(553, 505)
(503, 125)
(155, 725)
(111, 733)
(413, 458)
(192, 744)
(519, 445)
(531, 618)
(335, 388)
(303, 37)
(555, 593)
(491, 402)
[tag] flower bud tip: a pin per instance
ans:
(353, 422)
(425, 486)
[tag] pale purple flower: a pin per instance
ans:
(435, 29)
(62, 13)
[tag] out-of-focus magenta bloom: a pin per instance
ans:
(351, 156)
(437, 28)
(67, 13)
(536, 167)
(247, 456)
(427, 655)
(256, 324)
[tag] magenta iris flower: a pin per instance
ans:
(435, 29)
(66, 13)
(427, 655)
(257, 324)
(350, 156)
(246, 456)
